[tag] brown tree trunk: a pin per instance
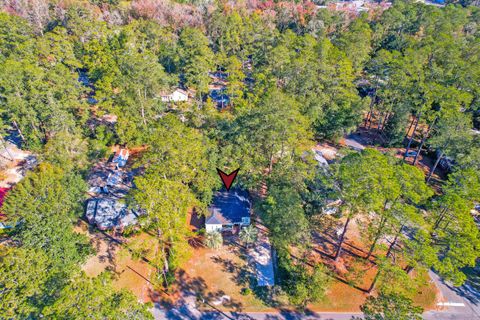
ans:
(387, 117)
(380, 118)
(392, 245)
(370, 120)
(367, 117)
(440, 218)
(408, 269)
(424, 138)
(430, 174)
(165, 262)
(15, 124)
(270, 166)
(374, 282)
(411, 137)
(377, 236)
(342, 238)
(410, 127)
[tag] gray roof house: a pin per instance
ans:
(228, 209)
(110, 213)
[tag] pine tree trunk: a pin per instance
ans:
(374, 282)
(408, 269)
(411, 137)
(367, 117)
(370, 120)
(392, 245)
(377, 236)
(387, 117)
(435, 166)
(440, 218)
(15, 124)
(380, 118)
(410, 127)
(270, 166)
(372, 103)
(423, 141)
(342, 238)
(5, 146)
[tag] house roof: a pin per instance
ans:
(122, 153)
(181, 91)
(109, 213)
(229, 207)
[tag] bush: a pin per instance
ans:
(246, 291)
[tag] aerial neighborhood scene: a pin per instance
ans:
(240, 159)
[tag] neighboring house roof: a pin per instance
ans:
(121, 157)
(176, 95)
(123, 153)
(229, 207)
(110, 213)
(181, 91)
(115, 178)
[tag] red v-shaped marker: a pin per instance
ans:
(227, 179)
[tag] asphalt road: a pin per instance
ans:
(185, 314)
(459, 303)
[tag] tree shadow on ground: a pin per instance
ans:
(194, 295)
(246, 275)
(470, 290)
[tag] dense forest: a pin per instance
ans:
(296, 75)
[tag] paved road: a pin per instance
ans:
(185, 313)
(459, 303)
(188, 312)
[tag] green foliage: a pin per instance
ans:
(14, 31)
(273, 131)
(249, 234)
(67, 151)
(196, 59)
(356, 42)
(43, 208)
(94, 298)
(23, 274)
(390, 307)
(182, 154)
(284, 215)
(246, 291)
(213, 240)
(302, 283)
(44, 205)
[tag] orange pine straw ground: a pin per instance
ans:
(129, 273)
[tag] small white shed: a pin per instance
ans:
(176, 96)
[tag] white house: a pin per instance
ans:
(229, 209)
(176, 96)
